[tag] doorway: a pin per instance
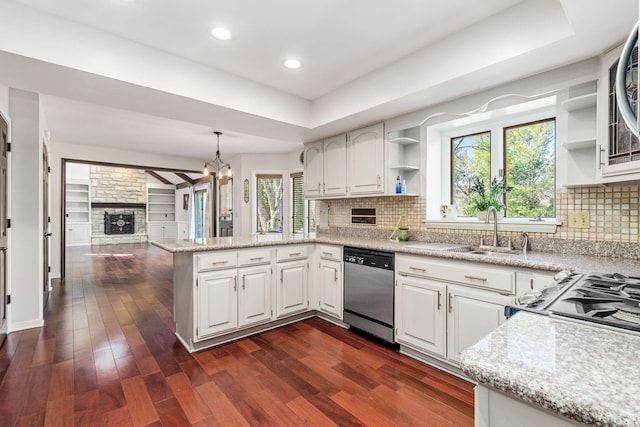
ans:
(4, 148)
(45, 224)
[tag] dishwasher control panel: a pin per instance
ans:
(354, 259)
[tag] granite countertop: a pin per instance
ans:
(546, 261)
(586, 373)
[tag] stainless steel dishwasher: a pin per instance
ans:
(369, 291)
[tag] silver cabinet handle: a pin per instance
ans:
(450, 303)
(235, 284)
(295, 254)
(219, 262)
(281, 276)
(379, 181)
(600, 157)
(424, 270)
(318, 188)
(244, 282)
(335, 274)
(327, 254)
(439, 300)
(482, 279)
(531, 283)
(257, 258)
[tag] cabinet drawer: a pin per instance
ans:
(254, 257)
(330, 252)
(288, 253)
(217, 260)
(468, 273)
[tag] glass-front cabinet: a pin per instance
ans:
(618, 148)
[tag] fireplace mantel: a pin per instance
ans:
(119, 205)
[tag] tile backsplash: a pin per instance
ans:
(613, 213)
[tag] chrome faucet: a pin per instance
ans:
(495, 224)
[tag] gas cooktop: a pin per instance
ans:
(607, 299)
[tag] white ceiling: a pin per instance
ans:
(146, 75)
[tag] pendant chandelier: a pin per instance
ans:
(217, 165)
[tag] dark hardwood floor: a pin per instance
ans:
(107, 355)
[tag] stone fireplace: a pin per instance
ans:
(117, 191)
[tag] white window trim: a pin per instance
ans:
(495, 122)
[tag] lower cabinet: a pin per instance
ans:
(438, 317)
(330, 287)
(471, 315)
(217, 301)
(292, 288)
(420, 315)
(231, 299)
(162, 230)
(78, 234)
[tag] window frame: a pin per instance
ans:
(451, 160)
(438, 160)
(555, 161)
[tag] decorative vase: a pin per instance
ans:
(482, 215)
(403, 234)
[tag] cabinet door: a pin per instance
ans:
(527, 282)
(155, 231)
(330, 300)
(254, 299)
(335, 166)
(217, 303)
(292, 288)
(78, 234)
(366, 160)
(170, 231)
(420, 314)
(313, 167)
(472, 314)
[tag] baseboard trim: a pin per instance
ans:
(27, 324)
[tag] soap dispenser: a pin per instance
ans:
(398, 185)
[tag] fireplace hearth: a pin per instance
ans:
(119, 222)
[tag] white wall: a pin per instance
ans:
(61, 150)
(4, 99)
(25, 246)
(78, 171)
(243, 167)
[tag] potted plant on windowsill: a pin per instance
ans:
(482, 198)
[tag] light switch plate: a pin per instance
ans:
(579, 219)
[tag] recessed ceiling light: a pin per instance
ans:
(221, 33)
(292, 64)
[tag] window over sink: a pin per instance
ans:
(515, 145)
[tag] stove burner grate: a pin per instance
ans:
(627, 313)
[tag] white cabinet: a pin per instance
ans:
(161, 202)
(254, 297)
(532, 281)
(78, 234)
(330, 285)
(341, 166)
(78, 212)
(325, 167)
(183, 230)
(420, 314)
(335, 166)
(292, 288)
(313, 169)
(366, 160)
(471, 315)
(438, 317)
(162, 230)
(216, 302)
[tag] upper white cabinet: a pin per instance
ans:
(343, 166)
(325, 168)
(335, 166)
(618, 148)
(366, 160)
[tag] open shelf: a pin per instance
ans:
(405, 168)
(404, 140)
(579, 144)
(77, 201)
(161, 203)
(580, 102)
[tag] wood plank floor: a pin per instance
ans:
(107, 355)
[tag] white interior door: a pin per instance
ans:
(4, 140)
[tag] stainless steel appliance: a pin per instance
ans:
(611, 300)
(369, 291)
